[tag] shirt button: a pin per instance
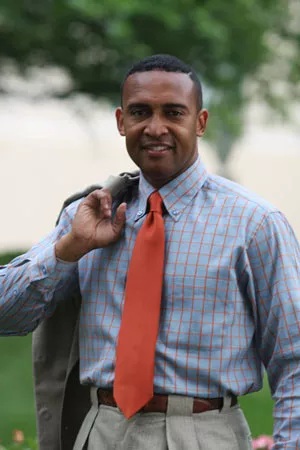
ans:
(175, 212)
(139, 213)
(15, 292)
(44, 270)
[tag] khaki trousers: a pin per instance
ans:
(105, 428)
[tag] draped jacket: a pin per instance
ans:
(61, 401)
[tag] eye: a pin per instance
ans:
(174, 113)
(138, 112)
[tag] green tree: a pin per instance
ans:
(95, 42)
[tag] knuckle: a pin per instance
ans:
(97, 193)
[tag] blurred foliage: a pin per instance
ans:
(16, 396)
(27, 444)
(95, 43)
(17, 409)
(5, 258)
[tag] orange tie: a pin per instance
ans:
(134, 373)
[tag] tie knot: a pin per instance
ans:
(156, 202)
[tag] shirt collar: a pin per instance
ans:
(176, 194)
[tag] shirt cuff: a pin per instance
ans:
(45, 266)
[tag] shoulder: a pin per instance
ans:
(121, 187)
(246, 210)
(232, 193)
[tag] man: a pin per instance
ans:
(188, 288)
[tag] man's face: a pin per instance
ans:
(161, 122)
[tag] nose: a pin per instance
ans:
(156, 126)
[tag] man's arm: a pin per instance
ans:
(32, 284)
(274, 257)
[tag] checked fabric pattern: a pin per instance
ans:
(230, 299)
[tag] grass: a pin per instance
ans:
(16, 388)
(258, 409)
(16, 383)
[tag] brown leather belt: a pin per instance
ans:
(159, 403)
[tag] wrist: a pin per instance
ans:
(69, 249)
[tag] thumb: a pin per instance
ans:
(120, 218)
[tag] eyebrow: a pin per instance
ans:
(137, 105)
(175, 105)
(166, 105)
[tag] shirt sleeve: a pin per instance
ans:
(33, 283)
(274, 258)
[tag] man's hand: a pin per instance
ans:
(92, 227)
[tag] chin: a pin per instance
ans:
(157, 172)
(157, 178)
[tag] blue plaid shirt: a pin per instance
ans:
(231, 295)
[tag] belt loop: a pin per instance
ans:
(94, 396)
(180, 428)
(179, 405)
(227, 400)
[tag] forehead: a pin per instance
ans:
(158, 86)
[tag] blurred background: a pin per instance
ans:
(61, 65)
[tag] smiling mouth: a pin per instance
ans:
(157, 148)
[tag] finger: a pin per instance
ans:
(106, 200)
(100, 201)
(105, 203)
(120, 218)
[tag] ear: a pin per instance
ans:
(120, 121)
(201, 122)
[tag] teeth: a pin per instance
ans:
(158, 148)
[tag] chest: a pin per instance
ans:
(202, 259)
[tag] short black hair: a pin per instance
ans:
(166, 63)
